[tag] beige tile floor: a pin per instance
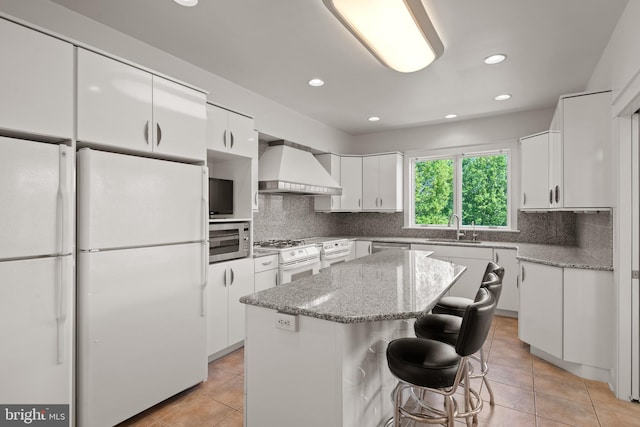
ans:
(528, 392)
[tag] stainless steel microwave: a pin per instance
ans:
(228, 240)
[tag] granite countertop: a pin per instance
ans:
(553, 255)
(394, 284)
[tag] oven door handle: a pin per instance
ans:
(337, 254)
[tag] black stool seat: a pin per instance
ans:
(439, 327)
(425, 363)
(452, 305)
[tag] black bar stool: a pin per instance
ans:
(456, 305)
(424, 366)
(445, 325)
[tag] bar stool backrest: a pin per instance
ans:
(492, 267)
(476, 323)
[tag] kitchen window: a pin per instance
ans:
(474, 186)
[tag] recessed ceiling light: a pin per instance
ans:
(450, 116)
(503, 97)
(495, 59)
(187, 3)
(316, 82)
(374, 119)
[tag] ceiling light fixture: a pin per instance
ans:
(316, 82)
(450, 116)
(503, 97)
(398, 33)
(187, 3)
(374, 119)
(495, 59)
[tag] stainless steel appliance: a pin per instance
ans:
(228, 240)
(332, 250)
(296, 258)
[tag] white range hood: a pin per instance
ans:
(284, 169)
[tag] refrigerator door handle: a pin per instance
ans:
(203, 236)
(61, 308)
(205, 280)
(63, 200)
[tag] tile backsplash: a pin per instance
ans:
(286, 216)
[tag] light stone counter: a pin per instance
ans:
(553, 255)
(389, 285)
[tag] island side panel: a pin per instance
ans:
(292, 378)
(325, 374)
(366, 380)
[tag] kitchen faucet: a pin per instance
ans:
(458, 232)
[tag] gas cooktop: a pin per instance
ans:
(280, 244)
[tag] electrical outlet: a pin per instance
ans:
(287, 322)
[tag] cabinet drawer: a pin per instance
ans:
(265, 263)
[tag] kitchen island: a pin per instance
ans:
(315, 348)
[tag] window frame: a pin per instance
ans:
(456, 156)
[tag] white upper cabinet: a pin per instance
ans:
(580, 152)
(351, 183)
(382, 183)
(229, 132)
(534, 164)
(331, 162)
(125, 107)
(36, 76)
(179, 119)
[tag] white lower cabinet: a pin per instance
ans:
(363, 248)
(228, 281)
(568, 313)
(540, 314)
(507, 258)
(588, 317)
(265, 272)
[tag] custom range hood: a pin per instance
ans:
(285, 169)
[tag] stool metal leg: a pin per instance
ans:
(484, 367)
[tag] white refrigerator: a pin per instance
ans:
(142, 263)
(36, 274)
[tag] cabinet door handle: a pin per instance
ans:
(224, 138)
(256, 198)
(551, 196)
(146, 132)
(232, 138)
(276, 281)
(557, 194)
(224, 279)
(524, 199)
(380, 201)
(232, 276)
(369, 249)
(267, 263)
(497, 258)
(358, 202)
(159, 133)
(523, 274)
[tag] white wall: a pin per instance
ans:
(458, 133)
(620, 61)
(270, 117)
(618, 69)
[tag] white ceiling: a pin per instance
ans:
(273, 47)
